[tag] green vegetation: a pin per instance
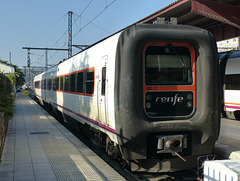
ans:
(6, 95)
(6, 90)
(7, 81)
(19, 79)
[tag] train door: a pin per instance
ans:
(102, 92)
(44, 85)
(51, 89)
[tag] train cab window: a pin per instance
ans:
(80, 82)
(90, 82)
(103, 81)
(168, 65)
(72, 82)
(66, 83)
(61, 83)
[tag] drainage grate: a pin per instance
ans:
(39, 132)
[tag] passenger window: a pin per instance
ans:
(56, 83)
(232, 82)
(61, 83)
(90, 82)
(80, 82)
(72, 82)
(37, 84)
(66, 83)
(44, 84)
(49, 84)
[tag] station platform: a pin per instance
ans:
(38, 148)
(228, 144)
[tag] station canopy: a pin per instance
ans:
(220, 17)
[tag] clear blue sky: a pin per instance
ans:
(44, 24)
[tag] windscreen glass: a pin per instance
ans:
(168, 65)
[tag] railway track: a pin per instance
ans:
(119, 166)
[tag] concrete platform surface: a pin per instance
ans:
(39, 148)
(228, 144)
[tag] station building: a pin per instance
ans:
(220, 17)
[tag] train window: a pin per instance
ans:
(168, 65)
(90, 82)
(56, 83)
(72, 82)
(61, 83)
(49, 84)
(66, 83)
(37, 84)
(80, 82)
(232, 82)
(103, 80)
(43, 84)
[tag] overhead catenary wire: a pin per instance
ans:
(36, 59)
(106, 6)
(75, 20)
(66, 30)
(85, 8)
(47, 29)
(98, 26)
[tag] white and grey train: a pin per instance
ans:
(230, 77)
(148, 93)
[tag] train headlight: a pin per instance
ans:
(148, 97)
(148, 105)
(189, 97)
(189, 104)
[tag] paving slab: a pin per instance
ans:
(39, 148)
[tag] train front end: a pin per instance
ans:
(166, 96)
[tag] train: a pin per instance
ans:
(148, 94)
(229, 63)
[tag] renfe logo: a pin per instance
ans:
(175, 99)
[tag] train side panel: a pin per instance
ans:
(96, 108)
(37, 87)
(232, 86)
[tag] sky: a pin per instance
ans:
(44, 24)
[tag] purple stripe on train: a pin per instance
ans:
(86, 118)
(89, 119)
(232, 107)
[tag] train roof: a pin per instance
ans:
(235, 54)
(232, 53)
(134, 26)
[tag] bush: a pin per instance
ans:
(6, 96)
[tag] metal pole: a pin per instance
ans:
(10, 57)
(28, 63)
(70, 33)
(46, 56)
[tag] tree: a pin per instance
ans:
(19, 76)
(12, 78)
(6, 96)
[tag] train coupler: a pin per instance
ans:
(172, 144)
